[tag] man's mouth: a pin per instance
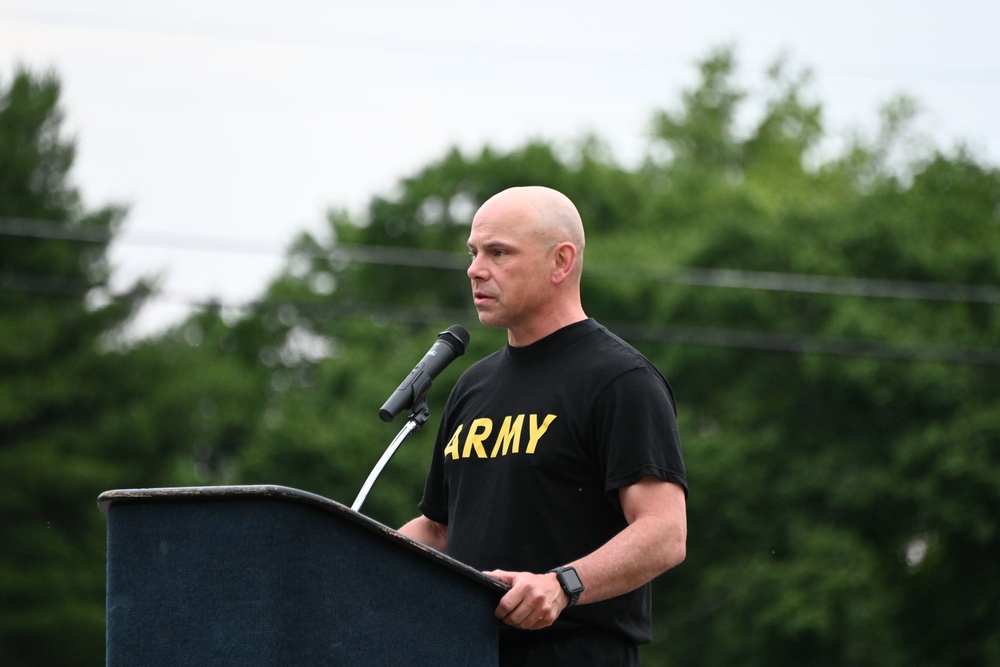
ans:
(479, 297)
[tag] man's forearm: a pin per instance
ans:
(635, 556)
(425, 531)
(654, 541)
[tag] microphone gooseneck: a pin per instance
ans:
(412, 395)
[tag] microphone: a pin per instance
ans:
(449, 346)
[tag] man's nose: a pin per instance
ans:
(476, 269)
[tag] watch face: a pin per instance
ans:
(572, 580)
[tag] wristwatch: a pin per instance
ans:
(570, 582)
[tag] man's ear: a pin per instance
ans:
(565, 261)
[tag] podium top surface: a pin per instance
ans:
(109, 499)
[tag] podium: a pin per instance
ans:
(270, 575)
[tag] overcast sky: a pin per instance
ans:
(229, 126)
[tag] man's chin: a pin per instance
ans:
(488, 319)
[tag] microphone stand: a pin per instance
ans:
(413, 423)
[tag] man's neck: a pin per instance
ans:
(524, 336)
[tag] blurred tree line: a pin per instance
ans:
(829, 319)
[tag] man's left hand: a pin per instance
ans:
(533, 602)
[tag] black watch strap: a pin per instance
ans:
(570, 581)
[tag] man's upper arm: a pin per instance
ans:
(662, 506)
(652, 495)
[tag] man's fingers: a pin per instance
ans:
(526, 605)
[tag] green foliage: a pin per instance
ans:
(80, 411)
(809, 517)
(55, 398)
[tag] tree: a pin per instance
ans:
(840, 433)
(73, 416)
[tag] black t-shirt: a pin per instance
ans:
(533, 446)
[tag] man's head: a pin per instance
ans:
(527, 247)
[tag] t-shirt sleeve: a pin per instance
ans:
(636, 432)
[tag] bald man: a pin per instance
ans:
(557, 466)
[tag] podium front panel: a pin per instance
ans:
(264, 581)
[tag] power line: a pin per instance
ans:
(53, 230)
(759, 341)
(438, 259)
(59, 231)
(49, 285)
(796, 344)
(812, 284)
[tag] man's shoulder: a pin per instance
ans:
(615, 349)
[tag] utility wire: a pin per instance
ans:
(812, 284)
(796, 344)
(633, 331)
(437, 259)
